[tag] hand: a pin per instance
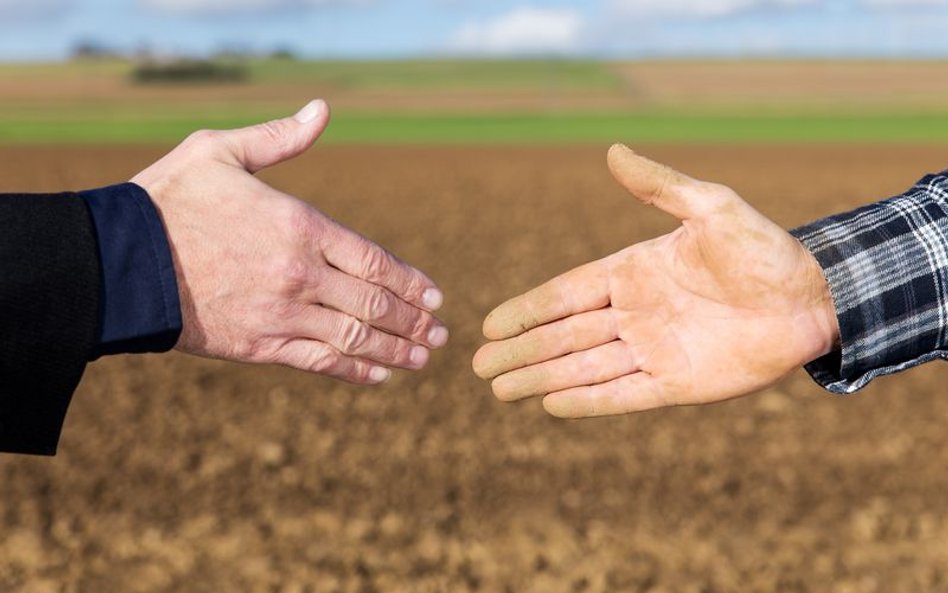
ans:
(725, 305)
(265, 278)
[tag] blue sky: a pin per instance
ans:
(44, 29)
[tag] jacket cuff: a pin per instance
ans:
(140, 310)
(887, 269)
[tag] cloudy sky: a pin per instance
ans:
(42, 29)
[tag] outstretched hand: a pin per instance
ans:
(265, 278)
(725, 305)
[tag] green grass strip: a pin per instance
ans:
(504, 129)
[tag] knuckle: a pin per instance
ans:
(355, 337)
(414, 286)
(718, 197)
(255, 350)
(202, 139)
(293, 273)
(359, 374)
(325, 361)
(299, 220)
(399, 350)
(277, 136)
(303, 226)
(379, 305)
(376, 263)
(717, 188)
(420, 325)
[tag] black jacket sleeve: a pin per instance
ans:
(49, 314)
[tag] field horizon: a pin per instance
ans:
(493, 101)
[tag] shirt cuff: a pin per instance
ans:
(887, 269)
(140, 310)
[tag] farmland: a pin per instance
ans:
(493, 102)
(177, 474)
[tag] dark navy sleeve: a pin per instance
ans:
(139, 309)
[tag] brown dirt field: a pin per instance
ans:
(177, 474)
(902, 86)
(50, 94)
(752, 84)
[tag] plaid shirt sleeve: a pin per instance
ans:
(887, 268)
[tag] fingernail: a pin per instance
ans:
(438, 336)
(311, 111)
(432, 299)
(419, 356)
(379, 375)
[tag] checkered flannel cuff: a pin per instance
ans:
(887, 269)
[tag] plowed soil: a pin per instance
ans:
(184, 475)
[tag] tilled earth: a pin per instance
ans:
(184, 475)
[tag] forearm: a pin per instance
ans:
(887, 269)
(49, 303)
(85, 275)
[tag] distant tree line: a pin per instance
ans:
(189, 71)
(228, 65)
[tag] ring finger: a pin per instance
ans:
(589, 367)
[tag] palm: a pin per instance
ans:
(724, 305)
(710, 320)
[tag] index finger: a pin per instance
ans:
(357, 256)
(585, 288)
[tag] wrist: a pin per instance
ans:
(824, 335)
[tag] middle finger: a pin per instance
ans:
(380, 308)
(358, 339)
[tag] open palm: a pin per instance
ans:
(726, 304)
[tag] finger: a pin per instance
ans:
(380, 308)
(652, 183)
(573, 334)
(590, 367)
(264, 145)
(632, 393)
(585, 288)
(316, 357)
(359, 257)
(355, 338)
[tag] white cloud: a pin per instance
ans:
(646, 9)
(524, 30)
(236, 6)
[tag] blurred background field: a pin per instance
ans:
(490, 101)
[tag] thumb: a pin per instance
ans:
(653, 183)
(273, 142)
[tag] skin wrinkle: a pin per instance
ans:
(666, 177)
(530, 320)
(566, 301)
(665, 322)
